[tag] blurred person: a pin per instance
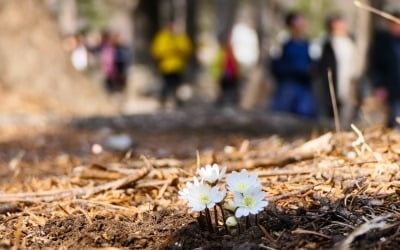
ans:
(226, 70)
(338, 56)
(114, 62)
(245, 43)
(123, 58)
(171, 49)
(292, 70)
(107, 61)
(93, 41)
(78, 52)
(80, 55)
(384, 68)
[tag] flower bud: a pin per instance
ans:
(230, 206)
(231, 221)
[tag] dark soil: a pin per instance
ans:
(169, 229)
(75, 231)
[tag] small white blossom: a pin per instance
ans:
(250, 202)
(185, 193)
(211, 173)
(241, 182)
(200, 196)
(231, 221)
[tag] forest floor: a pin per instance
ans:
(113, 183)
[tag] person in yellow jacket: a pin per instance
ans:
(171, 49)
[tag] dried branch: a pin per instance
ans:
(306, 151)
(376, 223)
(73, 192)
(383, 14)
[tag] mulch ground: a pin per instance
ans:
(325, 191)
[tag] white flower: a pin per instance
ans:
(242, 182)
(211, 173)
(200, 196)
(250, 202)
(231, 221)
(185, 193)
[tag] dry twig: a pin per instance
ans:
(376, 223)
(306, 151)
(334, 101)
(304, 231)
(383, 14)
(73, 192)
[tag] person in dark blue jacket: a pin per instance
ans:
(293, 71)
(384, 68)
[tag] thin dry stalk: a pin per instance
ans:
(286, 172)
(371, 9)
(267, 235)
(64, 209)
(364, 145)
(163, 189)
(293, 193)
(198, 162)
(334, 101)
(105, 205)
(304, 231)
(86, 214)
(378, 223)
(18, 234)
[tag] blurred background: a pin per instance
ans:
(91, 57)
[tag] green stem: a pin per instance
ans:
(200, 220)
(223, 216)
(216, 217)
(239, 225)
(209, 222)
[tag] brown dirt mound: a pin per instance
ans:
(33, 60)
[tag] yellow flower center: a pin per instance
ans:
(204, 199)
(241, 186)
(248, 201)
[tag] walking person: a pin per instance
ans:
(338, 56)
(292, 70)
(226, 70)
(384, 68)
(114, 62)
(171, 49)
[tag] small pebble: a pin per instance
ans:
(97, 149)
(351, 155)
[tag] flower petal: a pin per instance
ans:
(241, 212)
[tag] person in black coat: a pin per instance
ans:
(384, 68)
(338, 54)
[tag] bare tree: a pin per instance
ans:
(225, 12)
(146, 23)
(68, 16)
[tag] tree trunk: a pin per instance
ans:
(68, 16)
(191, 29)
(147, 23)
(33, 60)
(191, 18)
(225, 11)
(365, 26)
